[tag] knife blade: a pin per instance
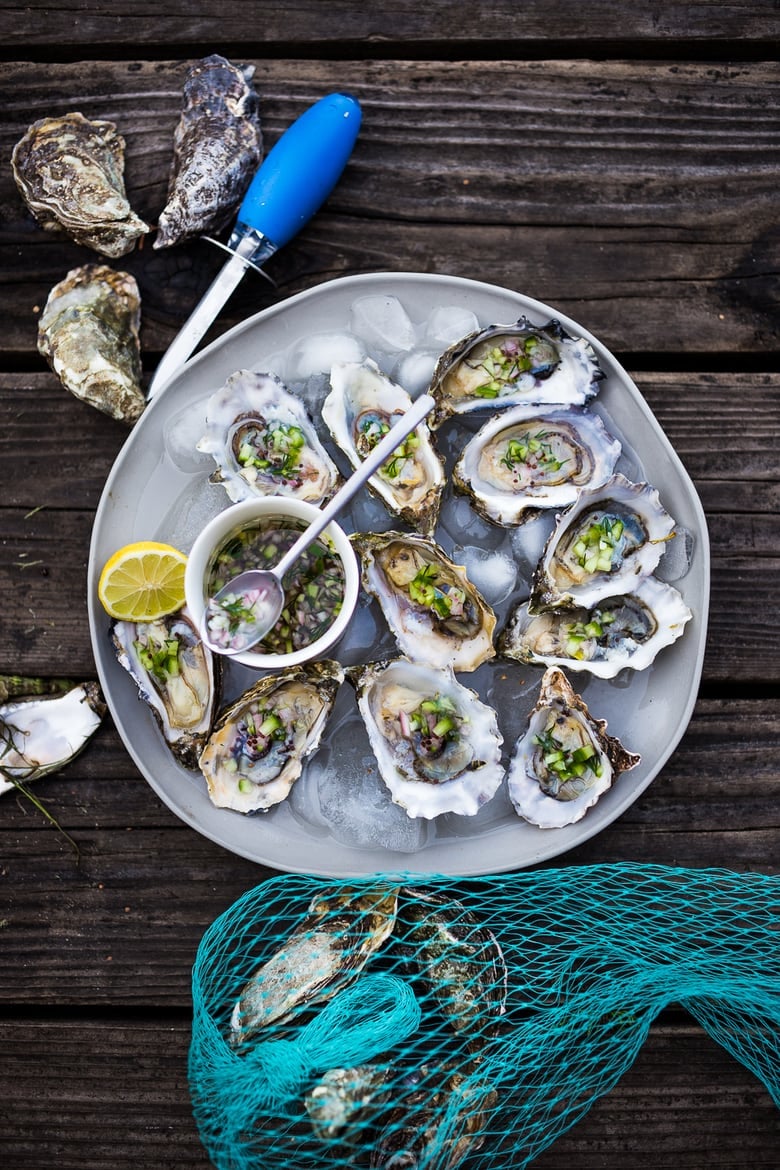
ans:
(292, 183)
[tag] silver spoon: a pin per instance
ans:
(266, 609)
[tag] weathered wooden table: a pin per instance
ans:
(617, 160)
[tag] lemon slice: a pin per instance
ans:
(143, 581)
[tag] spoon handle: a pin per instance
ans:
(373, 461)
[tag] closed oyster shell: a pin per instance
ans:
(624, 631)
(264, 442)
(88, 333)
(529, 458)
(437, 615)
(256, 751)
(182, 691)
(217, 147)
(455, 771)
(70, 172)
(547, 783)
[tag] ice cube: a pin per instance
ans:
(414, 371)
(460, 521)
(190, 512)
(317, 352)
(358, 808)
(382, 322)
(528, 540)
(493, 573)
(181, 434)
(449, 323)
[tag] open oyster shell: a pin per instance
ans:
(610, 538)
(565, 760)
(256, 751)
(437, 745)
(177, 677)
(40, 734)
(89, 334)
(437, 615)
(504, 365)
(361, 407)
(622, 631)
(217, 147)
(264, 442)
(527, 458)
(70, 172)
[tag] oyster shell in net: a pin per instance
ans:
(623, 631)
(527, 458)
(177, 677)
(217, 148)
(504, 365)
(565, 761)
(360, 408)
(437, 615)
(256, 751)
(88, 333)
(437, 745)
(264, 443)
(70, 172)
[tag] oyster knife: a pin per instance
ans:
(292, 183)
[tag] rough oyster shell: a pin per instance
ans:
(610, 538)
(88, 333)
(565, 761)
(437, 615)
(70, 172)
(249, 769)
(177, 677)
(217, 147)
(456, 771)
(504, 365)
(40, 734)
(623, 631)
(361, 405)
(526, 459)
(253, 420)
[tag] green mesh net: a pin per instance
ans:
(405, 1022)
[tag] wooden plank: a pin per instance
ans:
(540, 176)
(684, 1103)
(441, 26)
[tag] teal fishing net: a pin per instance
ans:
(430, 1023)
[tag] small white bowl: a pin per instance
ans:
(238, 516)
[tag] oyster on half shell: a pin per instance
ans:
(437, 615)
(361, 407)
(70, 172)
(259, 743)
(176, 676)
(217, 147)
(437, 745)
(527, 458)
(627, 630)
(565, 761)
(607, 541)
(264, 442)
(89, 334)
(504, 365)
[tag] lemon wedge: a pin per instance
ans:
(143, 581)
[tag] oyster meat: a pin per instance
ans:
(437, 745)
(42, 733)
(256, 750)
(70, 172)
(565, 760)
(504, 365)
(177, 677)
(88, 333)
(217, 147)
(437, 615)
(360, 408)
(526, 459)
(608, 540)
(264, 443)
(623, 631)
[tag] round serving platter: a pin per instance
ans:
(338, 820)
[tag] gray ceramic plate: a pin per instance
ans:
(338, 820)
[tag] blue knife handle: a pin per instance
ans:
(302, 169)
